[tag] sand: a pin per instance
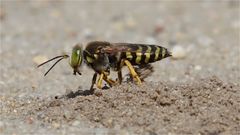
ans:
(198, 92)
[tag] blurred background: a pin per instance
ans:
(204, 37)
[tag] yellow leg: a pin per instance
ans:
(109, 81)
(132, 71)
(99, 82)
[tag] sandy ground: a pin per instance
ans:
(199, 93)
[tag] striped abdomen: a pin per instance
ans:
(143, 54)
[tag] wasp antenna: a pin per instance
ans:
(53, 65)
(61, 56)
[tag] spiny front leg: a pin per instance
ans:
(132, 71)
(93, 81)
(120, 76)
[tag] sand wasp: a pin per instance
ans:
(103, 56)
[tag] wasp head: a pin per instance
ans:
(76, 59)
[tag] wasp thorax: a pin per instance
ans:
(76, 59)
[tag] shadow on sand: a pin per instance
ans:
(73, 94)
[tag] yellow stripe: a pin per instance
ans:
(129, 55)
(89, 59)
(139, 55)
(147, 54)
(163, 53)
(157, 54)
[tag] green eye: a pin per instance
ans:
(76, 57)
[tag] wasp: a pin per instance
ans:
(102, 56)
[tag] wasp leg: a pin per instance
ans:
(132, 71)
(120, 72)
(99, 82)
(109, 81)
(119, 76)
(93, 81)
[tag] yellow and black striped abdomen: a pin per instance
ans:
(139, 54)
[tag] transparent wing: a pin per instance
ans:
(113, 49)
(123, 47)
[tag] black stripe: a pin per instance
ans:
(134, 55)
(152, 56)
(160, 53)
(144, 48)
(166, 53)
(143, 57)
(123, 55)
